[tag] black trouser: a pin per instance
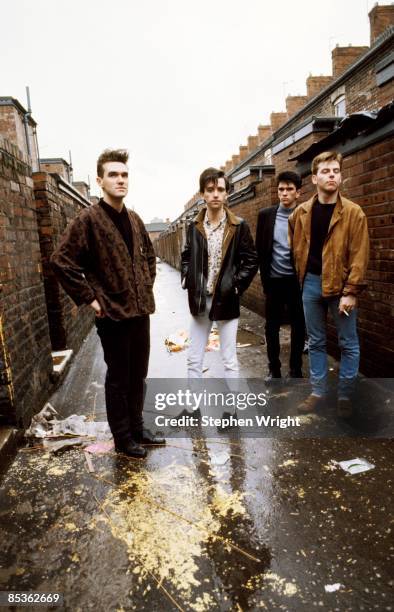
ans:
(126, 346)
(280, 293)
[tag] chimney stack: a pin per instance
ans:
(253, 142)
(236, 160)
(342, 57)
(380, 18)
(243, 152)
(294, 103)
(264, 132)
(277, 120)
(228, 166)
(315, 84)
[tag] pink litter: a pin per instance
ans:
(100, 447)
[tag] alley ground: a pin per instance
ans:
(228, 523)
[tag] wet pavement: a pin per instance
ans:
(226, 523)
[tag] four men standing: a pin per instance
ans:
(106, 260)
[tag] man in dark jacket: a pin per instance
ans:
(106, 260)
(279, 278)
(219, 262)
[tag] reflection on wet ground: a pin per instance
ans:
(226, 523)
(270, 528)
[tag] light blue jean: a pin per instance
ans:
(315, 310)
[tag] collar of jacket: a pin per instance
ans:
(97, 209)
(199, 219)
(306, 214)
(229, 229)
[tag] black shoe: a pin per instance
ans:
(295, 374)
(146, 437)
(130, 448)
(272, 378)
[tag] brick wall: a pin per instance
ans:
(18, 127)
(57, 166)
(169, 246)
(55, 209)
(369, 181)
(25, 344)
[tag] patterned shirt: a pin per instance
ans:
(214, 234)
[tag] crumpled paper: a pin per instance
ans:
(46, 425)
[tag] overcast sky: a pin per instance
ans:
(179, 83)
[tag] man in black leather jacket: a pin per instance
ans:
(219, 262)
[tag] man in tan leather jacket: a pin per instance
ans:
(329, 239)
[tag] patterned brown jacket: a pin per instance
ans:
(92, 262)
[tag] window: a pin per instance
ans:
(340, 106)
(268, 157)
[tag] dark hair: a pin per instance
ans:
(111, 155)
(289, 177)
(325, 157)
(212, 175)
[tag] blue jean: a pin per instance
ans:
(315, 310)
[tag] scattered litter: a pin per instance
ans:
(77, 425)
(70, 526)
(331, 588)
(356, 466)
(277, 584)
(239, 345)
(220, 458)
(177, 342)
(288, 462)
(213, 341)
(331, 466)
(40, 423)
(307, 419)
(46, 425)
(89, 462)
(54, 446)
(100, 447)
(57, 471)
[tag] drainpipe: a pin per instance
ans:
(35, 139)
(26, 118)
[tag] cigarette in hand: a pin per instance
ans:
(346, 313)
